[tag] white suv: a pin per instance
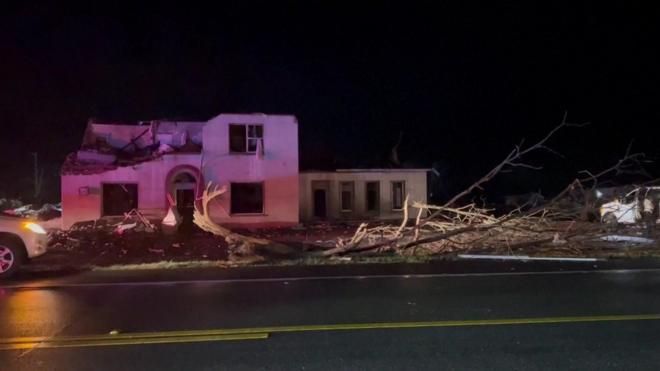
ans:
(20, 239)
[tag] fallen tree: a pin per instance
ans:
(447, 228)
(437, 229)
(239, 245)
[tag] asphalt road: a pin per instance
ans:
(564, 320)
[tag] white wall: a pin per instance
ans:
(415, 183)
(278, 168)
(150, 176)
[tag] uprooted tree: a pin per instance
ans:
(453, 227)
(239, 244)
(449, 227)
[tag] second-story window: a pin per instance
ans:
(246, 138)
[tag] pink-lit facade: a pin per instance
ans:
(169, 157)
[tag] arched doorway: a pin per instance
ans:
(183, 185)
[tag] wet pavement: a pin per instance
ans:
(58, 278)
(97, 303)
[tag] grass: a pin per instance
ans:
(383, 259)
(166, 264)
(309, 261)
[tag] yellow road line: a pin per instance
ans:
(111, 341)
(143, 337)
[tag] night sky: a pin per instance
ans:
(464, 83)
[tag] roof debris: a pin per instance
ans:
(107, 147)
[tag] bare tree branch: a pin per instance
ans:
(513, 160)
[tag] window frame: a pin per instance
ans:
(263, 200)
(102, 198)
(246, 127)
(341, 196)
(403, 194)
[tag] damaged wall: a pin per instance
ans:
(178, 133)
(118, 136)
(81, 194)
(274, 164)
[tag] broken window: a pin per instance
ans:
(247, 198)
(346, 196)
(246, 138)
(119, 198)
(372, 196)
(398, 190)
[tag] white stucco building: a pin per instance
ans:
(123, 167)
(149, 165)
(353, 194)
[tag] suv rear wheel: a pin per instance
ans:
(11, 257)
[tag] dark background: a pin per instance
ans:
(464, 83)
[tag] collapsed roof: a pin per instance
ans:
(107, 146)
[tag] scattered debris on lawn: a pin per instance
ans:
(566, 226)
(44, 212)
(563, 223)
(124, 227)
(10, 203)
(139, 222)
(172, 219)
(98, 243)
(637, 205)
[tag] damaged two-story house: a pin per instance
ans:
(151, 165)
(122, 167)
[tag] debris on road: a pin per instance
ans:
(526, 258)
(629, 239)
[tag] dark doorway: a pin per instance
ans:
(184, 192)
(185, 205)
(319, 203)
(185, 202)
(119, 198)
(373, 196)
